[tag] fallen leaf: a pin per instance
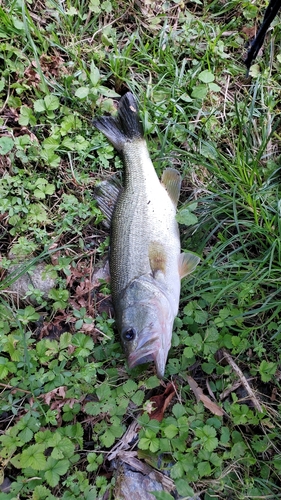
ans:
(200, 396)
(161, 402)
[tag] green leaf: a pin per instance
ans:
(255, 70)
(186, 217)
(144, 443)
(206, 76)
(214, 87)
(225, 435)
(200, 317)
(162, 495)
(56, 468)
(107, 438)
(138, 398)
(3, 82)
(26, 116)
(178, 410)
(207, 436)
(154, 445)
(103, 391)
(183, 488)
(82, 92)
(51, 102)
(6, 144)
(204, 469)
(39, 105)
(267, 370)
(94, 74)
(129, 386)
(170, 431)
(65, 340)
(199, 92)
(63, 449)
(33, 457)
(26, 435)
(238, 450)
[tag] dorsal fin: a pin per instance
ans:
(171, 179)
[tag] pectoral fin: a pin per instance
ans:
(157, 258)
(187, 263)
(171, 179)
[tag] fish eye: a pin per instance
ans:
(129, 334)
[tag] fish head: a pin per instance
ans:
(146, 324)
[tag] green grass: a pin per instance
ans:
(66, 395)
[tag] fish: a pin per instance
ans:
(145, 259)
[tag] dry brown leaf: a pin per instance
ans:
(200, 396)
(59, 391)
(161, 402)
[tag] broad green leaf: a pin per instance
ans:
(200, 317)
(177, 470)
(94, 74)
(154, 445)
(214, 87)
(183, 488)
(55, 469)
(138, 398)
(2, 83)
(199, 92)
(267, 370)
(129, 386)
(204, 469)
(82, 92)
(65, 340)
(170, 431)
(178, 410)
(33, 457)
(186, 217)
(26, 435)
(238, 450)
(206, 76)
(6, 144)
(39, 105)
(225, 436)
(107, 438)
(103, 391)
(144, 443)
(107, 92)
(51, 102)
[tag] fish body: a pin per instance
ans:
(146, 264)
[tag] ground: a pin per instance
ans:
(74, 421)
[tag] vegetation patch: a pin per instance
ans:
(74, 421)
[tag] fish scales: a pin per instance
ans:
(144, 213)
(146, 265)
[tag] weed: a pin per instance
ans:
(67, 400)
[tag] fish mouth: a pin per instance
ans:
(147, 351)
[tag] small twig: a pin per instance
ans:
(243, 380)
(14, 388)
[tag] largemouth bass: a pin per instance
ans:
(146, 264)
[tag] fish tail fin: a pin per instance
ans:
(123, 128)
